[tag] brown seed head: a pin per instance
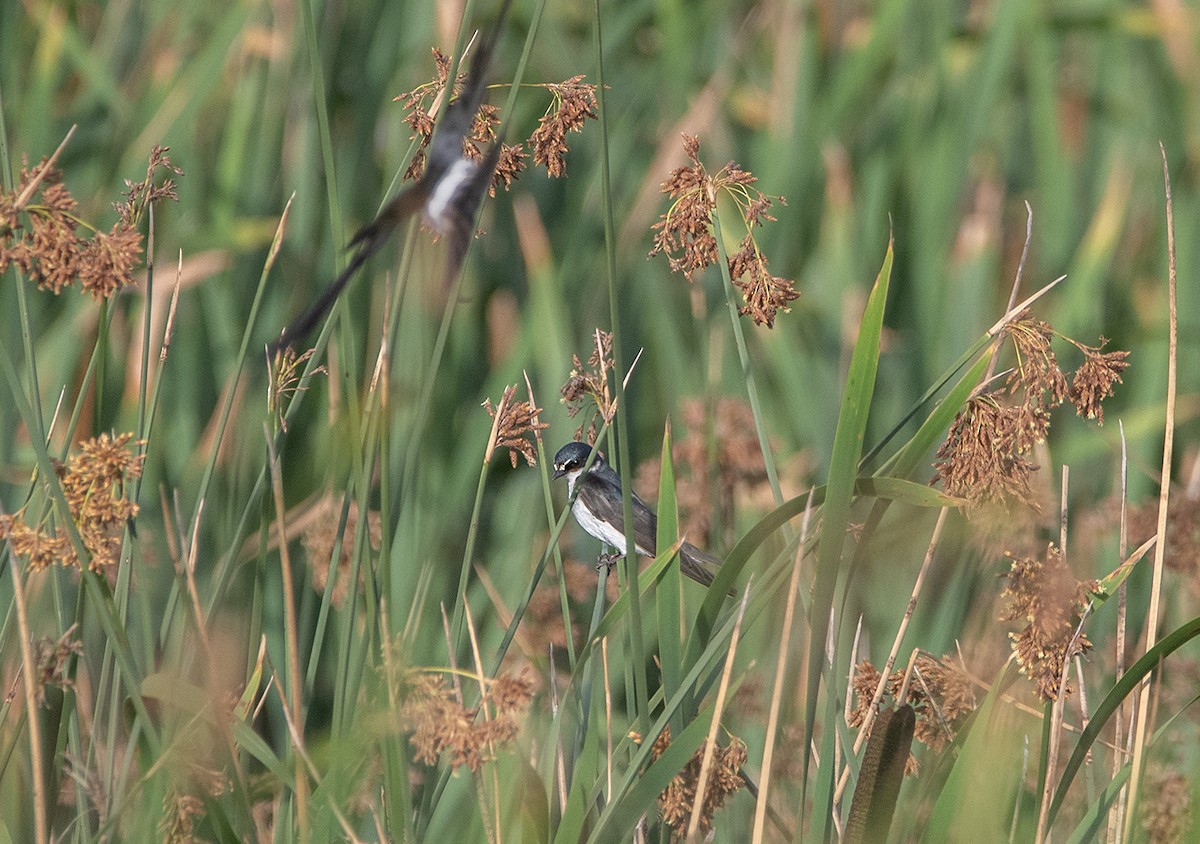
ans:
(1094, 379)
(1044, 593)
(685, 232)
(93, 483)
(574, 102)
(320, 535)
(440, 724)
(518, 422)
(725, 780)
(939, 692)
(587, 386)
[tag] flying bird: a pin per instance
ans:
(447, 195)
(599, 510)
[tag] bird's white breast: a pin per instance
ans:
(443, 193)
(602, 530)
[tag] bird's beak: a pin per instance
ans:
(558, 473)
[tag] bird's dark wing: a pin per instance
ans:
(605, 502)
(645, 526)
(700, 566)
(645, 523)
(459, 220)
(368, 240)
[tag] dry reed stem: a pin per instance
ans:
(1116, 818)
(378, 385)
(188, 567)
(909, 671)
(30, 189)
(494, 434)
(491, 823)
(1164, 491)
(781, 659)
(169, 329)
(847, 712)
(290, 631)
(559, 759)
(1056, 708)
(307, 768)
(1016, 311)
(1016, 286)
(608, 757)
(169, 533)
(454, 677)
(29, 674)
(718, 710)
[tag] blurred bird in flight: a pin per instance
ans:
(447, 195)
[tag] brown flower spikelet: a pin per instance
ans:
(518, 422)
(140, 195)
(1094, 379)
(685, 232)
(1037, 374)
(420, 118)
(983, 457)
(979, 460)
(940, 693)
(93, 483)
(53, 660)
(725, 780)
(287, 375)
(574, 102)
(106, 263)
(40, 232)
(587, 386)
(320, 535)
(439, 723)
(508, 167)
(1045, 594)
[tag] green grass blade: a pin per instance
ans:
(986, 754)
(835, 519)
(670, 587)
(638, 655)
(1124, 687)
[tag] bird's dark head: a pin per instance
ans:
(572, 457)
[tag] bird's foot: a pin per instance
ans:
(607, 561)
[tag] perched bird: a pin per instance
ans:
(599, 510)
(447, 195)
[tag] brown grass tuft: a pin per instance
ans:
(725, 780)
(685, 233)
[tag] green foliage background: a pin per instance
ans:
(935, 122)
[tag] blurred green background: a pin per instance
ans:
(937, 122)
(937, 119)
